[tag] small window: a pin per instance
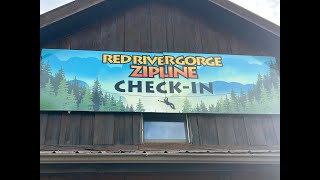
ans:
(164, 128)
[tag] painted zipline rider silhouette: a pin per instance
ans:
(165, 100)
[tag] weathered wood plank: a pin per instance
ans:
(87, 39)
(112, 33)
(207, 129)
(62, 43)
(64, 128)
(136, 128)
(158, 27)
(194, 129)
(254, 130)
(70, 129)
(53, 128)
(193, 37)
(234, 45)
(145, 22)
(137, 29)
(169, 28)
(208, 38)
(225, 130)
(276, 125)
(268, 129)
(128, 126)
(103, 128)
(179, 22)
(240, 130)
(223, 43)
(119, 129)
(43, 126)
(86, 128)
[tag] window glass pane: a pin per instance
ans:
(164, 131)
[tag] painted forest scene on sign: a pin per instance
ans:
(108, 81)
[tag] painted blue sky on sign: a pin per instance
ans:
(86, 65)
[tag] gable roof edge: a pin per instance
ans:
(248, 16)
(66, 11)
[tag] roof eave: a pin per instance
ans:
(264, 158)
(74, 7)
(65, 11)
(248, 16)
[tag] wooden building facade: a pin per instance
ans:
(104, 145)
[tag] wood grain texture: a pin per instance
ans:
(194, 129)
(209, 38)
(179, 23)
(86, 128)
(128, 127)
(268, 130)
(158, 27)
(43, 126)
(240, 130)
(254, 130)
(136, 128)
(70, 128)
(137, 28)
(276, 125)
(208, 130)
(87, 39)
(53, 128)
(103, 128)
(123, 129)
(112, 33)
(225, 130)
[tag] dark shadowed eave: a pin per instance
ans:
(248, 16)
(77, 6)
(66, 11)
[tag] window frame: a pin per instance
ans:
(169, 117)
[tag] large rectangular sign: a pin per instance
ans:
(78, 80)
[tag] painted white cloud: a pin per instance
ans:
(254, 61)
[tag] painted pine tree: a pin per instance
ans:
(113, 104)
(76, 89)
(47, 97)
(106, 102)
(242, 101)
(131, 108)
(226, 105)
(45, 74)
(197, 109)
(275, 100)
(66, 101)
(86, 102)
(186, 107)
(219, 105)
(97, 95)
(127, 109)
(57, 79)
(211, 108)
(257, 88)
(203, 107)
(140, 107)
(234, 107)
(119, 105)
(264, 103)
